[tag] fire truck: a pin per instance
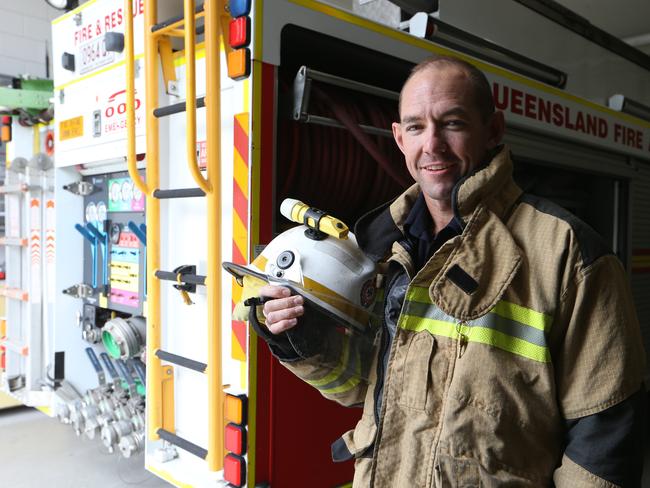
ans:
(179, 128)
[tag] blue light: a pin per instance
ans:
(239, 8)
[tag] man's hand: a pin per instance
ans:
(283, 311)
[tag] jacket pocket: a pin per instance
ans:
(416, 372)
(457, 473)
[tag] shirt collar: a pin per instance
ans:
(419, 224)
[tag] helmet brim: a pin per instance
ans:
(239, 271)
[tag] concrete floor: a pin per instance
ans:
(38, 451)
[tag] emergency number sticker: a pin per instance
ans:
(71, 128)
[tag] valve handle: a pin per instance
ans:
(98, 367)
(110, 366)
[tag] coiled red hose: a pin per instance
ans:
(345, 172)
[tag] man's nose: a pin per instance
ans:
(435, 143)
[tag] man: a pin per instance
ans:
(510, 350)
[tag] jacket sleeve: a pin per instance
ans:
(599, 363)
(606, 448)
(340, 370)
(333, 360)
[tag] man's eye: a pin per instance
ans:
(454, 123)
(413, 127)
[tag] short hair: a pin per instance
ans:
(481, 87)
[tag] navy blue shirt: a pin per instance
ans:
(418, 229)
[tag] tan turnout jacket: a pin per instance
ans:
(521, 322)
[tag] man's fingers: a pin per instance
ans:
(282, 325)
(283, 310)
(275, 316)
(272, 291)
(282, 304)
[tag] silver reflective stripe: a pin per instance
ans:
(492, 321)
(346, 375)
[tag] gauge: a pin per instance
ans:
(101, 212)
(127, 191)
(91, 213)
(115, 232)
(115, 192)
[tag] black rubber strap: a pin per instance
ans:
(176, 108)
(315, 214)
(178, 193)
(184, 444)
(198, 9)
(185, 278)
(181, 361)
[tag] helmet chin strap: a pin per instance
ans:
(262, 331)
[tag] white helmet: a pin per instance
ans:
(332, 274)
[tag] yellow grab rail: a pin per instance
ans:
(131, 158)
(154, 371)
(212, 188)
(190, 95)
(213, 281)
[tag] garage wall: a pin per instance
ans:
(25, 36)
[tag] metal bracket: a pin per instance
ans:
(81, 188)
(302, 91)
(182, 270)
(167, 63)
(82, 290)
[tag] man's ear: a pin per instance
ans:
(397, 135)
(497, 127)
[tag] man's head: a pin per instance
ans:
(447, 124)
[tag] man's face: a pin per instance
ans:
(441, 131)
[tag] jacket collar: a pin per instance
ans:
(491, 185)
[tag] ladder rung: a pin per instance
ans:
(181, 361)
(165, 23)
(13, 241)
(185, 278)
(176, 108)
(21, 349)
(179, 193)
(186, 445)
(18, 188)
(15, 293)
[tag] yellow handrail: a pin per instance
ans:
(190, 95)
(213, 279)
(154, 370)
(130, 101)
(211, 186)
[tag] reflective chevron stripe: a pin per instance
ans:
(345, 376)
(507, 326)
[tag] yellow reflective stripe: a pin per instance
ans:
(437, 327)
(418, 294)
(508, 343)
(338, 371)
(345, 387)
(503, 308)
(477, 334)
(351, 383)
(523, 315)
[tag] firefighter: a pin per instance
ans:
(510, 352)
